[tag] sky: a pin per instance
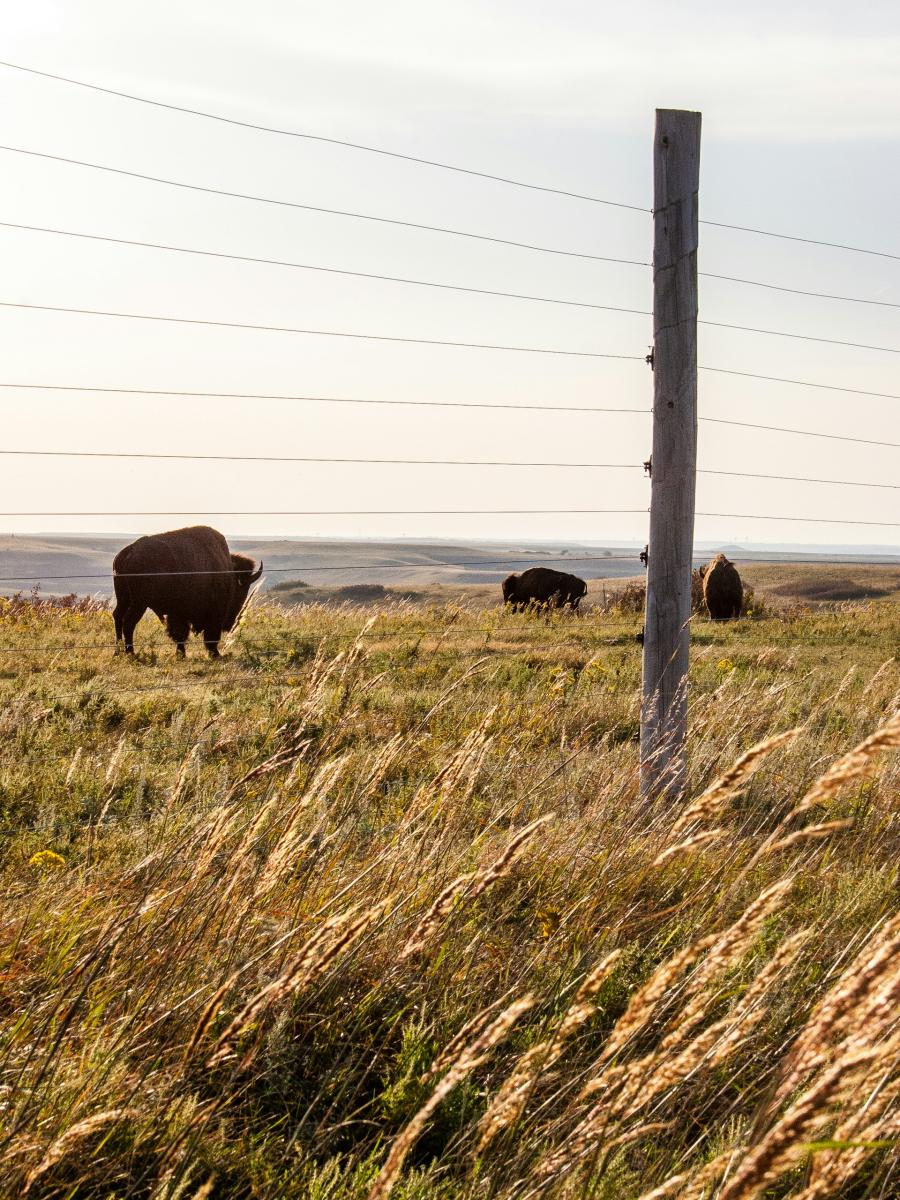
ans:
(801, 125)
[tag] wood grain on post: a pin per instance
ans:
(676, 178)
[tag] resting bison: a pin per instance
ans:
(188, 578)
(540, 585)
(722, 589)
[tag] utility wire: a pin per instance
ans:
(420, 462)
(372, 337)
(803, 337)
(291, 639)
(274, 458)
(316, 137)
(780, 517)
(798, 478)
(554, 408)
(425, 161)
(575, 559)
(827, 387)
(369, 337)
(441, 512)
(775, 287)
(249, 675)
(274, 262)
(333, 212)
(836, 437)
(789, 237)
(601, 620)
(451, 287)
(329, 399)
(356, 512)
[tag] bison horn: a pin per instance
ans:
(256, 574)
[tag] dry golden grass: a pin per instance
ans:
(373, 907)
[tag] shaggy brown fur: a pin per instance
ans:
(189, 578)
(722, 589)
(542, 586)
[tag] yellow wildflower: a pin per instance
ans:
(725, 664)
(47, 859)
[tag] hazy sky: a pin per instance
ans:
(801, 114)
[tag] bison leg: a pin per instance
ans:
(117, 617)
(128, 621)
(211, 642)
(178, 629)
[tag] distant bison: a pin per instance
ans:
(722, 589)
(540, 585)
(189, 578)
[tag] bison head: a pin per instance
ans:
(509, 588)
(244, 576)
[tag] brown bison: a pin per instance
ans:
(541, 586)
(722, 589)
(189, 578)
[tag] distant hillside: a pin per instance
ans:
(813, 583)
(61, 564)
(84, 564)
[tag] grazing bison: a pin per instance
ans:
(722, 589)
(541, 586)
(189, 578)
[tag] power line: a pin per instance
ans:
(589, 638)
(274, 262)
(803, 337)
(827, 387)
(836, 437)
(336, 212)
(427, 161)
(795, 478)
(451, 287)
(418, 462)
(587, 644)
(440, 512)
(273, 458)
(574, 559)
(91, 312)
(316, 137)
(775, 287)
(772, 517)
(788, 237)
(600, 621)
(553, 408)
(405, 224)
(51, 387)
(364, 512)
(369, 337)
(316, 208)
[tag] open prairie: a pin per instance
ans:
(300, 570)
(778, 585)
(373, 905)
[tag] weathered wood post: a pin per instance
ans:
(676, 178)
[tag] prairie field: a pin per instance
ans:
(373, 906)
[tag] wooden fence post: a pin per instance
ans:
(676, 178)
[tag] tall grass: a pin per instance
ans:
(373, 907)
